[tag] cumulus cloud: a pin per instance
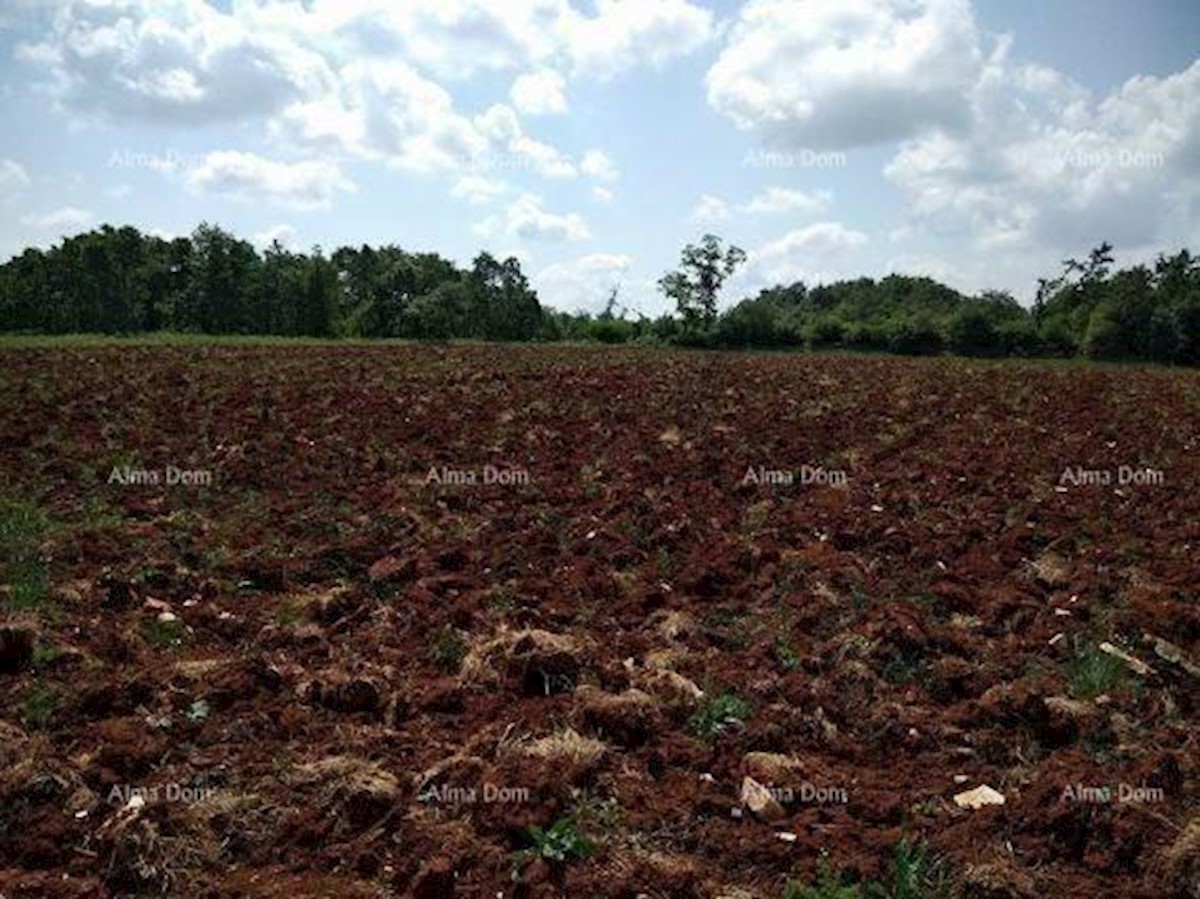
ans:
(527, 219)
(387, 111)
(846, 73)
(602, 195)
(347, 76)
(478, 190)
(813, 253)
(783, 199)
(599, 165)
(582, 284)
(184, 61)
(459, 38)
(303, 185)
(709, 210)
(196, 61)
(1045, 163)
(68, 218)
(542, 158)
(540, 93)
(508, 147)
(623, 34)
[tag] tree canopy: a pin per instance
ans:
(120, 281)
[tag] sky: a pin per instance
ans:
(977, 143)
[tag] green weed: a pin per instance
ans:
(718, 714)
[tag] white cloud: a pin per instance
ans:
(583, 284)
(193, 61)
(821, 239)
(118, 191)
(284, 233)
(709, 211)
(846, 73)
(818, 252)
(602, 195)
(387, 111)
(526, 219)
(545, 160)
(184, 61)
(625, 33)
(478, 190)
(508, 147)
(1045, 164)
(540, 93)
(312, 184)
(68, 218)
(599, 165)
(298, 71)
(458, 39)
(784, 199)
(13, 178)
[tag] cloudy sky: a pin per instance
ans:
(979, 143)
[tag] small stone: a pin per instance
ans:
(979, 797)
(759, 800)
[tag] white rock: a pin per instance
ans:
(979, 797)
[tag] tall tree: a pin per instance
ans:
(703, 269)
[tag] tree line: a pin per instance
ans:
(119, 281)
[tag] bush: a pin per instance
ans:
(612, 330)
(826, 331)
(916, 338)
(971, 332)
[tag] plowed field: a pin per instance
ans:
(480, 621)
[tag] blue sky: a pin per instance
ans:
(979, 143)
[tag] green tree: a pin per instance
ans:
(320, 296)
(694, 286)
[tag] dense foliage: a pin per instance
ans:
(118, 280)
(1141, 313)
